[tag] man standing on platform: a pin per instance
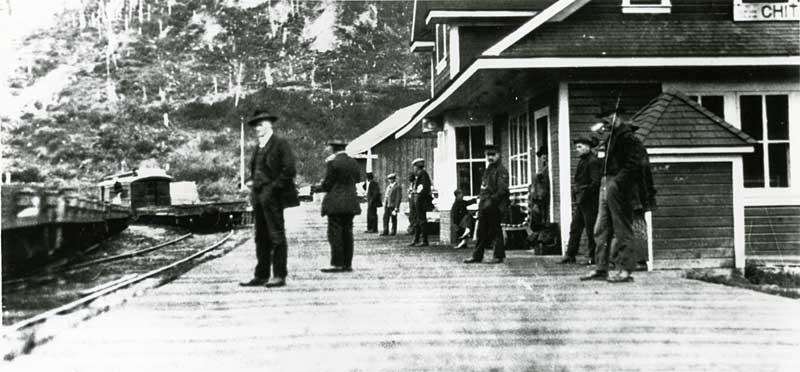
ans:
(373, 202)
(493, 204)
(585, 192)
(391, 205)
(622, 187)
(340, 204)
(424, 202)
(272, 172)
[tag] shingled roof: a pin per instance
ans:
(674, 120)
(645, 36)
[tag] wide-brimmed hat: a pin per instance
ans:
(417, 160)
(588, 141)
(542, 151)
(492, 148)
(260, 115)
(609, 108)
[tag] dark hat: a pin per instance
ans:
(492, 148)
(588, 141)
(337, 145)
(542, 151)
(260, 115)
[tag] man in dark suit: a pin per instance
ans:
(586, 194)
(272, 172)
(391, 205)
(492, 206)
(373, 202)
(424, 202)
(340, 204)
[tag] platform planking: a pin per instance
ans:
(421, 309)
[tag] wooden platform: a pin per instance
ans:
(422, 309)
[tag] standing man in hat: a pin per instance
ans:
(424, 202)
(492, 206)
(373, 190)
(621, 190)
(272, 172)
(586, 194)
(340, 204)
(391, 205)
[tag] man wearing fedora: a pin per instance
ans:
(340, 205)
(585, 194)
(624, 187)
(424, 202)
(391, 205)
(272, 172)
(492, 206)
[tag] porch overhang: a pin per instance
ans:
(486, 67)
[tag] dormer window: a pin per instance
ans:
(441, 46)
(646, 6)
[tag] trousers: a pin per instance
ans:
(340, 237)
(614, 219)
(489, 233)
(583, 218)
(270, 237)
(372, 217)
(389, 216)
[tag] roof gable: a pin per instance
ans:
(384, 129)
(674, 120)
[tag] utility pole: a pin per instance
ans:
(241, 153)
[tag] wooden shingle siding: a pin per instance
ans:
(473, 41)
(694, 219)
(772, 230)
(441, 79)
(395, 156)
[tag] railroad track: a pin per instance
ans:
(18, 329)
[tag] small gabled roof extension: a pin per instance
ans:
(674, 120)
(663, 37)
(383, 130)
(422, 32)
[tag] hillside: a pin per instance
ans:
(120, 82)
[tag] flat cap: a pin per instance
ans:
(417, 160)
(391, 176)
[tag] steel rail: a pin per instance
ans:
(85, 300)
(81, 265)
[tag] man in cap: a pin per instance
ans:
(492, 206)
(391, 205)
(272, 172)
(340, 204)
(623, 173)
(373, 190)
(585, 194)
(424, 202)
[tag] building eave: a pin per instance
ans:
(443, 16)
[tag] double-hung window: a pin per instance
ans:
(713, 103)
(765, 117)
(519, 150)
(470, 158)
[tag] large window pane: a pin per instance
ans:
(779, 165)
(754, 168)
(524, 169)
(751, 115)
(477, 176)
(513, 171)
(462, 171)
(715, 104)
(478, 142)
(462, 143)
(778, 117)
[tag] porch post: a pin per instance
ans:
(445, 179)
(738, 214)
(564, 154)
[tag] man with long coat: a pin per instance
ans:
(373, 202)
(424, 202)
(340, 204)
(272, 170)
(626, 185)
(391, 205)
(492, 206)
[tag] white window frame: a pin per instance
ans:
(699, 101)
(764, 142)
(663, 8)
(519, 124)
(469, 160)
(441, 50)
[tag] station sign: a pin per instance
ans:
(775, 10)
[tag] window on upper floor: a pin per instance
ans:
(470, 158)
(441, 46)
(766, 119)
(713, 103)
(646, 6)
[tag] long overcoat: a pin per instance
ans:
(272, 170)
(341, 175)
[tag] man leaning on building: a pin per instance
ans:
(492, 206)
(272, 172)
(624, 186)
